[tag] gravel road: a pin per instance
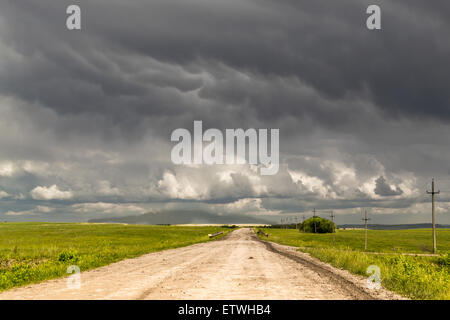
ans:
(239, 266)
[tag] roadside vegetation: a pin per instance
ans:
(33, 252)
(416, 277)
(317, 225)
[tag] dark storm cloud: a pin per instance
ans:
(383, 189)
(320, 45)
(96, 107)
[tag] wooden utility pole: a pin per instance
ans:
(433, 219)
(365, 229)
(303, 224)
(332, 220)
(314, 218)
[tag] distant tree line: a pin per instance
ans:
(311, 225)
(284, 226)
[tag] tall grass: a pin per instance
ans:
(411, 276)
(32, 252)
(388, 241)
(415, 277)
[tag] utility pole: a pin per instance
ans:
(332, 220)
(365, 228)
(433, 220)
(303, 224)
(314, 218)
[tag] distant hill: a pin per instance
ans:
(393, 226)
(183, 217)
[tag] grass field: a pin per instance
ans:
(405, 241)
(416, 277)
(32, 252)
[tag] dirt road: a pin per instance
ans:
(237, 267)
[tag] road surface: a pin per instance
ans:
(237, 267)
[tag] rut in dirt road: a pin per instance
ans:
(237, 267)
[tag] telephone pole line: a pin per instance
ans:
(433, 219)
(365, 229)
(332, 220)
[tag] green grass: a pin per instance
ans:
(33, 252)
(405, 241)
(416, 277)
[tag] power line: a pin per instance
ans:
(433, 220)
(332, 220)
(365, 229)
(314, 218)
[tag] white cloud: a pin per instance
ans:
(37, 209)
(35, 167)
(251, 206)
(311, 183)
(3, 194)
(50, 193)
(178, 187)
(104, 188)
(7, 169)
(19, 213)
(112, 208)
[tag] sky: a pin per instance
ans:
(86, 115)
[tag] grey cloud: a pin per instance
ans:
(98, 106)
(383, 189)
(321, 43)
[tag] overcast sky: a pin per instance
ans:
(86, 116)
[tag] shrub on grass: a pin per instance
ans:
(68, 256)
(318, 225)
(444, 260)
